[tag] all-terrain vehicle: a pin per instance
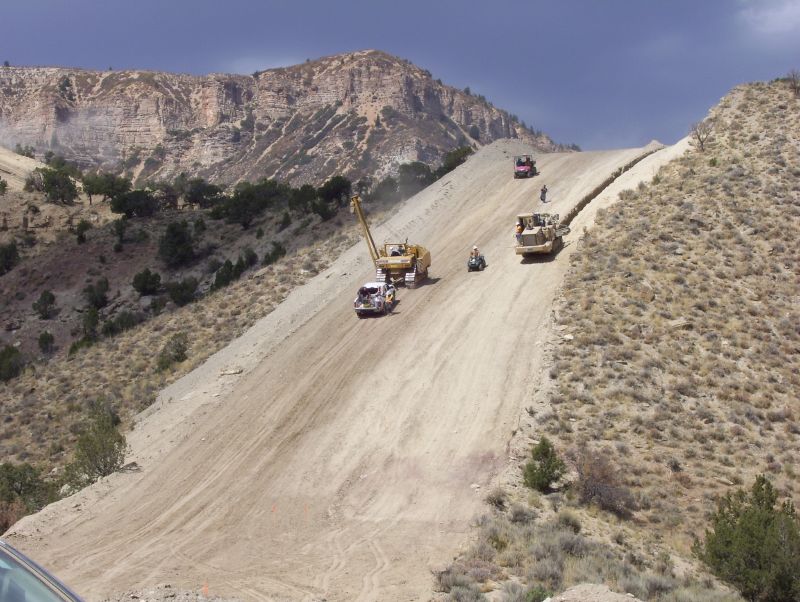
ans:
(539, 233)
(397, 262)
(524, 166)
(375, 298)
(476, 264)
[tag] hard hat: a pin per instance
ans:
(475, 248)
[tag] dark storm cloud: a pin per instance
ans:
(599, 73)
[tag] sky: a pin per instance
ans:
(598, 73)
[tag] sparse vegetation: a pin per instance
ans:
(176, 246)
(45, 304)
(46, 343)
(80, 231)
(22, 491)
(598, 483)
(11, 363)
(182, 292)
(25, 151)
(147, 282)
(701, 132)
(794, 81)
(97, 293)
(173, 352)
(100, 450)
(9, 257)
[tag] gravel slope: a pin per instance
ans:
(346, 457)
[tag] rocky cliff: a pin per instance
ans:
(360, 114)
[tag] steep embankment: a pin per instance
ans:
(339, 462)
(683, 313)
(673, 375)
(358, 114)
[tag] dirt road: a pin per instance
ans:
(343, 462)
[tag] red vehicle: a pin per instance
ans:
(524, 166)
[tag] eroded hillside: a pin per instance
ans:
(358, 114)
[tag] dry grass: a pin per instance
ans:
(681, 372)
(683, 307)
(519, 557)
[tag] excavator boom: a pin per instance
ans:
(355, 207)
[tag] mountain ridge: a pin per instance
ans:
(359, 114)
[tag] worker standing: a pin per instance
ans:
(543, 194)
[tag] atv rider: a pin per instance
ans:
(475, 253)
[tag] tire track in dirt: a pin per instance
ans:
(346, 443)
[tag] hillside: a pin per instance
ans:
(322, 456)
(673, 356)
(359, 115)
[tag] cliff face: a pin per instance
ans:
(357, 114)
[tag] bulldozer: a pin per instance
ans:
(539, 233)
(397, 262)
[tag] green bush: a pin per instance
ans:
(183, 291)
(9, 257)
(11, 363)
(100, 450)
(147, 282)
(22, 491)
(105, 184)
(81, 343)
(413, 177)
(25, 151)
(173, 352)
(91, 318)
(44, 305)
(46, 342)
(545, 467)
(249, 256)
(57, 184)
(120, 225)
(81, 229)
(125, 320)
(97, 294)
(335, 191)
(224, 276)
(176, 247)
(136, 203)
(754, 545)
(453, 159)
(275, 253)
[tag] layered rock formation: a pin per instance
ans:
(359, 114)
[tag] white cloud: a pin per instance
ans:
(774, 20)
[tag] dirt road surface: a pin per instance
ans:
(322, 456)
(15, 168)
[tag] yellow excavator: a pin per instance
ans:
(396, 262)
